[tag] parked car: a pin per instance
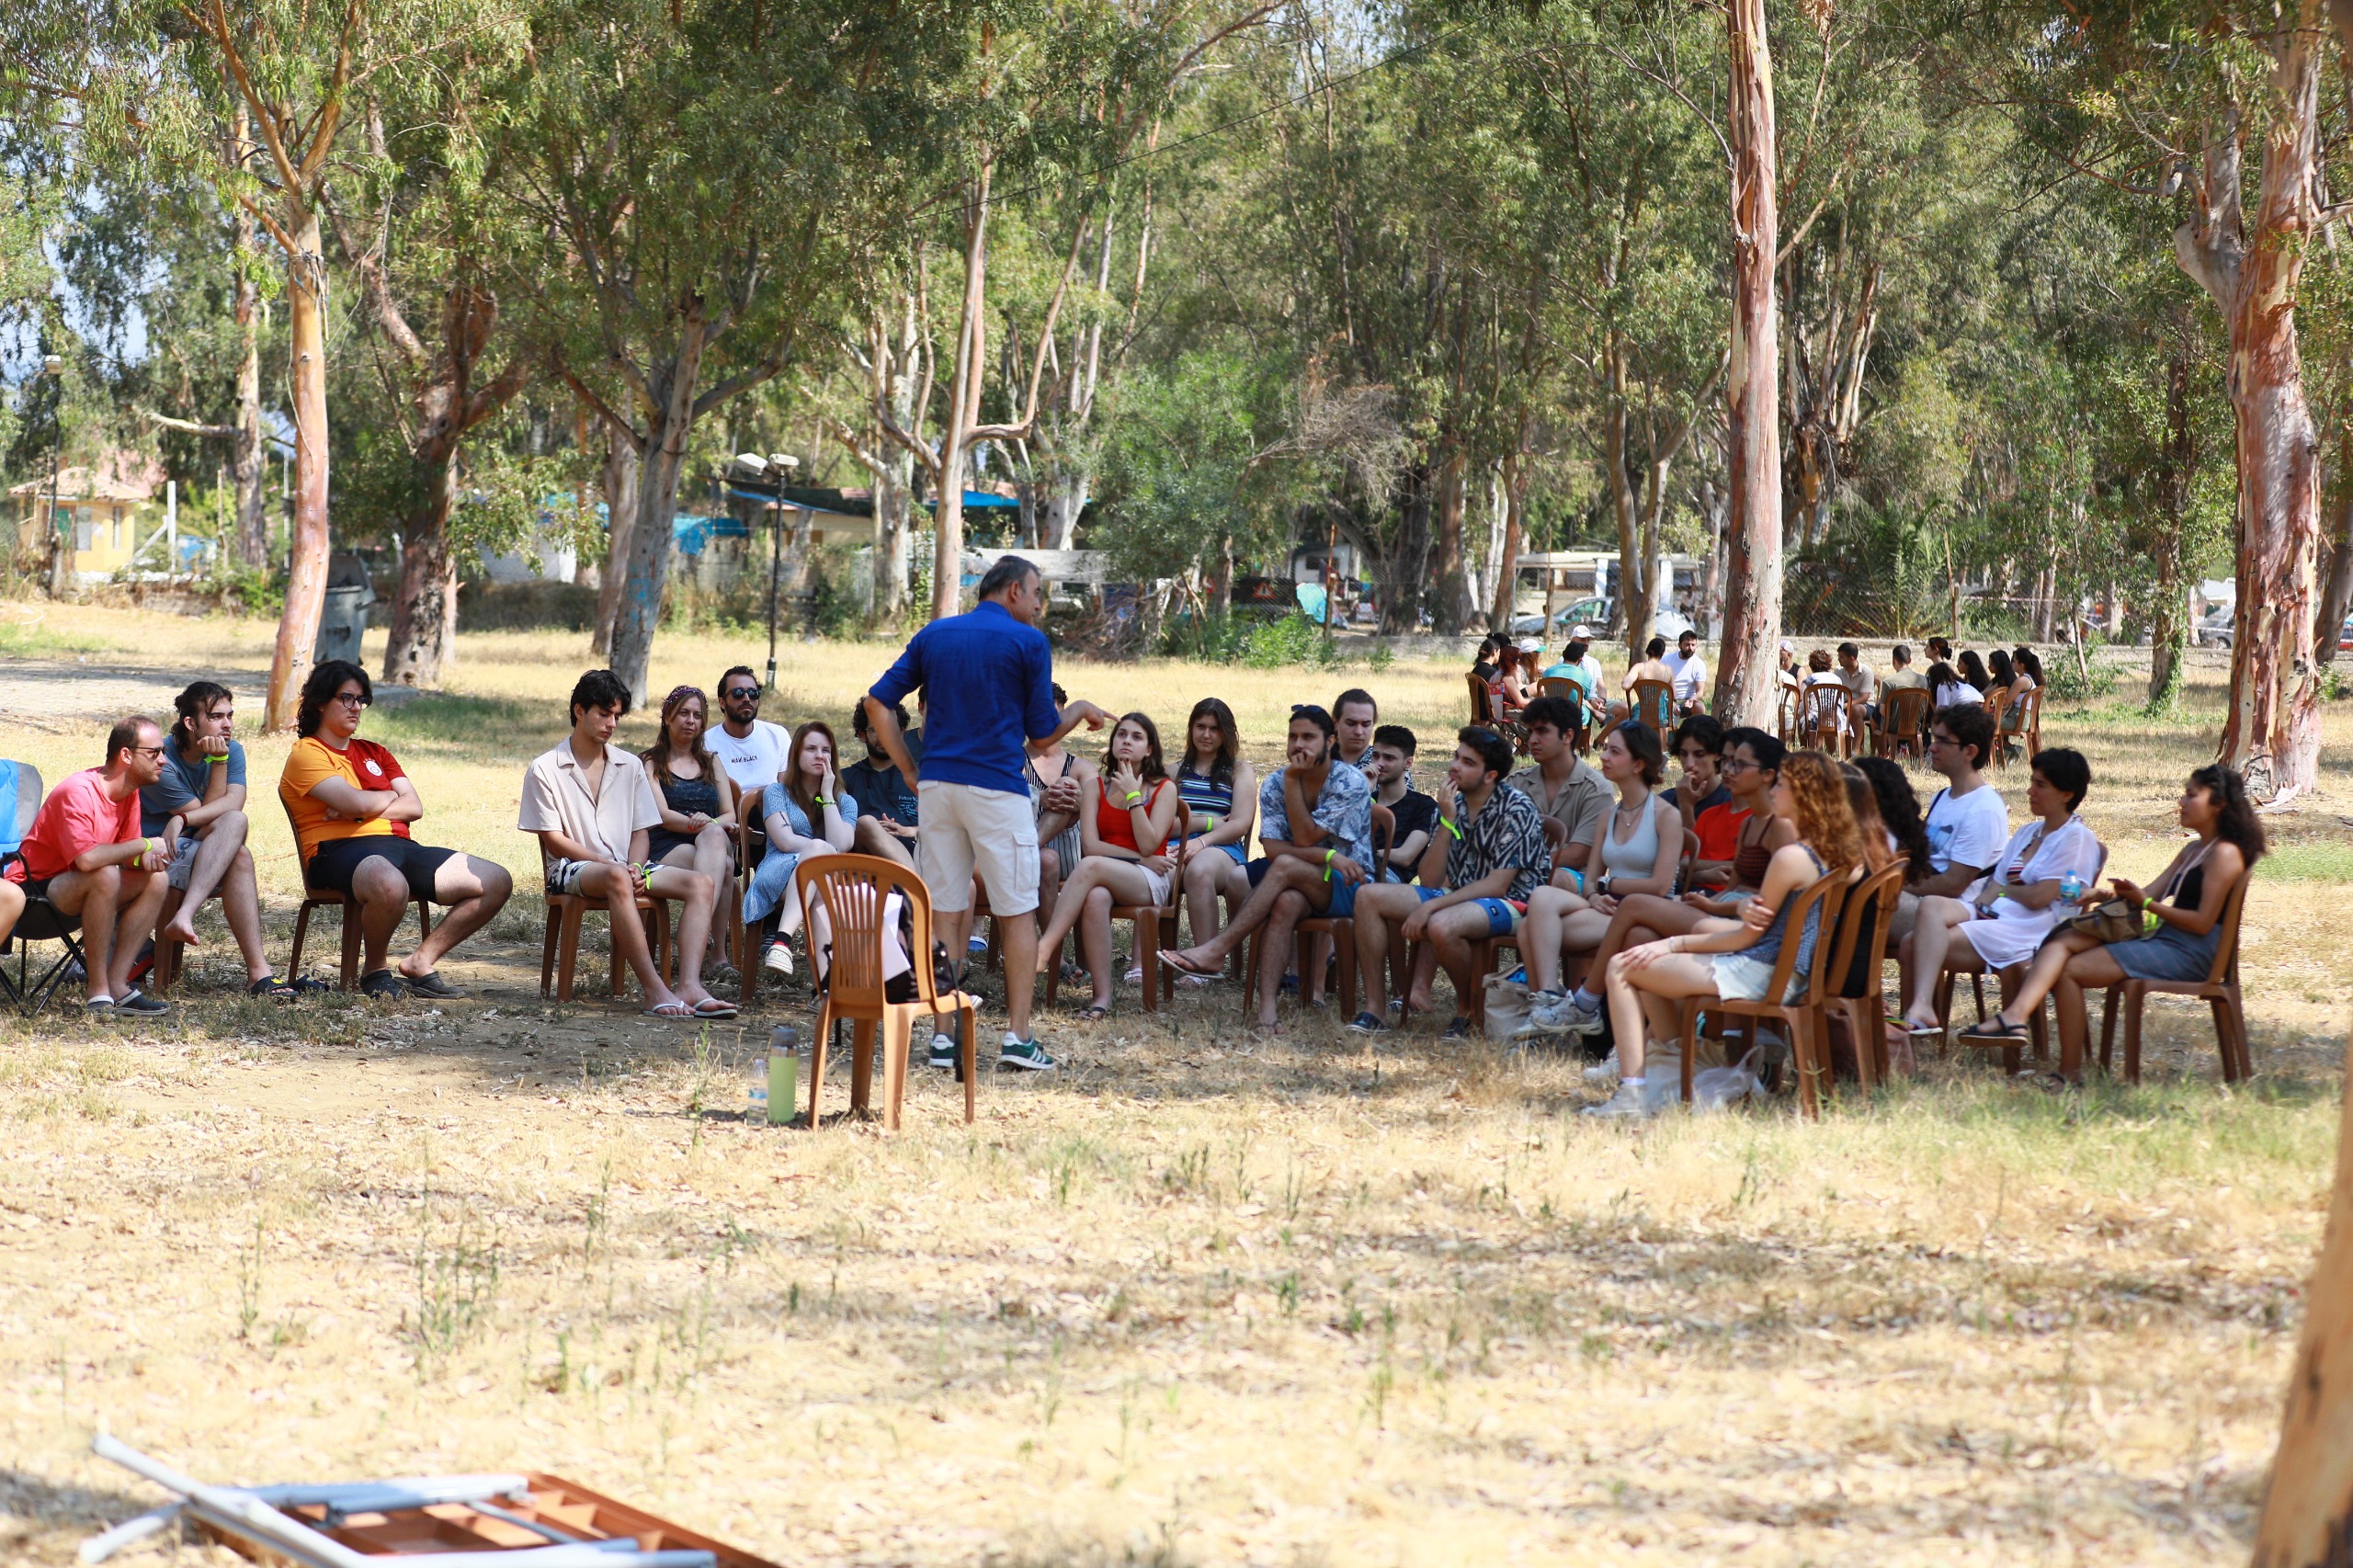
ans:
(2344, 636)
(2214, 630)
(1600, 614)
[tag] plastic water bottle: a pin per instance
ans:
(781, 1092)
(2071, 887)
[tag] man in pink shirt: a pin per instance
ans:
(86, 857)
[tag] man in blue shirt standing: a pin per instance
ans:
(987, 679)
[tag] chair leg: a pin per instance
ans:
(1483, 964)
(1166, 978)
(2134, 999)
(967, 1034)
(351, 945)
(424, 920)
(820, 1049)
(613, 947)
(1690, 1007)
(1869, 1042)
(302, 929)
(862, 1065)
(2106, 1026)
(567, 953)
(1345, 934)
(2224, 1045)
(1147, 927)
(1805, 1051)
(547, 951)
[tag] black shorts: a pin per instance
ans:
(329, 869)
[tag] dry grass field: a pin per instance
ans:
(1194, 1300)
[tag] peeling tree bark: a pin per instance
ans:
(1744, 669)
(2168, 631)
(620, 528)
(306, 584)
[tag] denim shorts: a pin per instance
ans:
(1503, 916)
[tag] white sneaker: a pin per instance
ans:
(1604, 1070)
(1631, 1101)
(1560, 1015)
(778, 959)
(1539, 1003)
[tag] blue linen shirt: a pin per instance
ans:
(182, 784)
(1342, 809)
(987, 679)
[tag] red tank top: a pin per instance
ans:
(1114, 826)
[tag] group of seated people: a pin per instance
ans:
(1857, 697)
(1513, 673)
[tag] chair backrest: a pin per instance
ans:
(853, 891)
(1875, 895)
(1827, 892)
(1822, 705)
(2226, 952)
(1480, 713)
(1654, 704)
(1564, 688)
(21, 793)
(2025, 716)
(1785, 715)
(1906, 713)
(1690, 859)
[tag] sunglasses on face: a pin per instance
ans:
(747, 693)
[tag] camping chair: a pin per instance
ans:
(1904, 721)
(1573, 693)
(1861, 1006)
(325, 898)
(2220, 989)
(1653, 704)
(20, 794)
(854, 893)
(1797, 1018)
(2036, 1026)
(2020, 725)
(1155, 927)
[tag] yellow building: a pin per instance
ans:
(111, 511)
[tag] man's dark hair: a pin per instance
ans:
(1315, 716)
(857, 722)
(1557, 711)
(1006, 571)
(1575, 652)
(1689, 634)
(731, 675)
(1654, 648)
(1494, 752)
(124, 735)
(1702, 728)
(319, 689)
(1848, 651)
(1355, 695)
(1970, 727)
(1395, 736)
(1899, 654)
(1765, 747)
(2065, 770)
(193, 703)
(599, 688)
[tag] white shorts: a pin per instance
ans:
(966, 829)
(1159, 882)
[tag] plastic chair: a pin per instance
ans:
(2021, 725)
(1797, 1018)
(325, 898)
(1904, 721)
(1822, 711)
(1785, 715)
(1653, 704)
(1875, 896)
(854, 893)
(2037, 1027)
(1573, 693)
(2220, 989)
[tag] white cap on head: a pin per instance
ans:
(1582, 632)
(1531, 645)
(1788, 646)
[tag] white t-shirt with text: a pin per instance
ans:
(1967, 830)
(754, 761)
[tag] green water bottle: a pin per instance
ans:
(784, 1073)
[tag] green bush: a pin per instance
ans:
(1293, 640)
(2064, 683)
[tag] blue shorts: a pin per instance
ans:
(1343, 894)
(1503, 916)
(1241, 856)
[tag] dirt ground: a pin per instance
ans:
(1194, 1298)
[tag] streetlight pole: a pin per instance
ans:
(773, 465)
(52, 370)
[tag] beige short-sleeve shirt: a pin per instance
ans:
(556, 798)
(1581, 806)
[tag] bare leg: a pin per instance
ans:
(2041, 976)
(789, 912)
(240, 903)
(1050, 890)
(473, 891)
(1454, 931)
(1095, 940)
(1932, 939)
(1204, 877)
(1663, 981)
(695, 891)
(1540, 933)
(1287, 909)
(142, 901)
(1380, 911)
(1069, 902)
(381, 894)
(1020, 939)
(214, 853)
(12, 906)
(95, 896)
(613, 887)
(1288, 873)
(873, 838)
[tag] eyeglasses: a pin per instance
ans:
(145, 751)
(1737, 765)
(751, 692)
(351, 700)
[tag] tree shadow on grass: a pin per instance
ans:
(43, 1519)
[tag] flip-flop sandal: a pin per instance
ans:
(1183, 965)
(670, 1010)
(1916, 1033)
(2049, 1083)
(429, 984)
(1997, 1032)
(712, 1008)
(1093, 1014)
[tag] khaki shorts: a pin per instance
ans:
(967, 829)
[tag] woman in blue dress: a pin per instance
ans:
(806, 814)
(2184, 907)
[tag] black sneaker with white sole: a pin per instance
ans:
(944, 1043)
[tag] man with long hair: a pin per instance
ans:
(351, 806)
(197, 805)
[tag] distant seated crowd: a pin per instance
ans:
(1623, 896)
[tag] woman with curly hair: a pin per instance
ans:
(1733, 959)
(2183, 931)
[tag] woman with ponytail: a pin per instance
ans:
(2183, 910)
(1734, 958)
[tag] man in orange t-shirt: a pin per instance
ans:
(351, 806)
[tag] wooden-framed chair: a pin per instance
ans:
(1481, 708)
(2020, 724)
(855, 892)
(560, 949)
(1903, 722)
(1653, 702)
(1859, 1006)
(2220, 989)
(1824, 897)
(1155, 928)
(325, 898)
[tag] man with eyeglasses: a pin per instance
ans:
(351, 805)
(750, 748)
(86, 857)
(1968, 824)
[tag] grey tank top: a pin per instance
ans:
(1638, 855)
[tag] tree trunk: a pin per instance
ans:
(2308, 1505)
(1451, 610)
(963, 408)
(1711, 503)
(425, 605)
(890, 521)
(2272, 730)
(251, 543)
(1745, 678)
(1409, 559)
(664, 458)
(306, 586)
(2336, 590)
(620, 527)
(1516, 473)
